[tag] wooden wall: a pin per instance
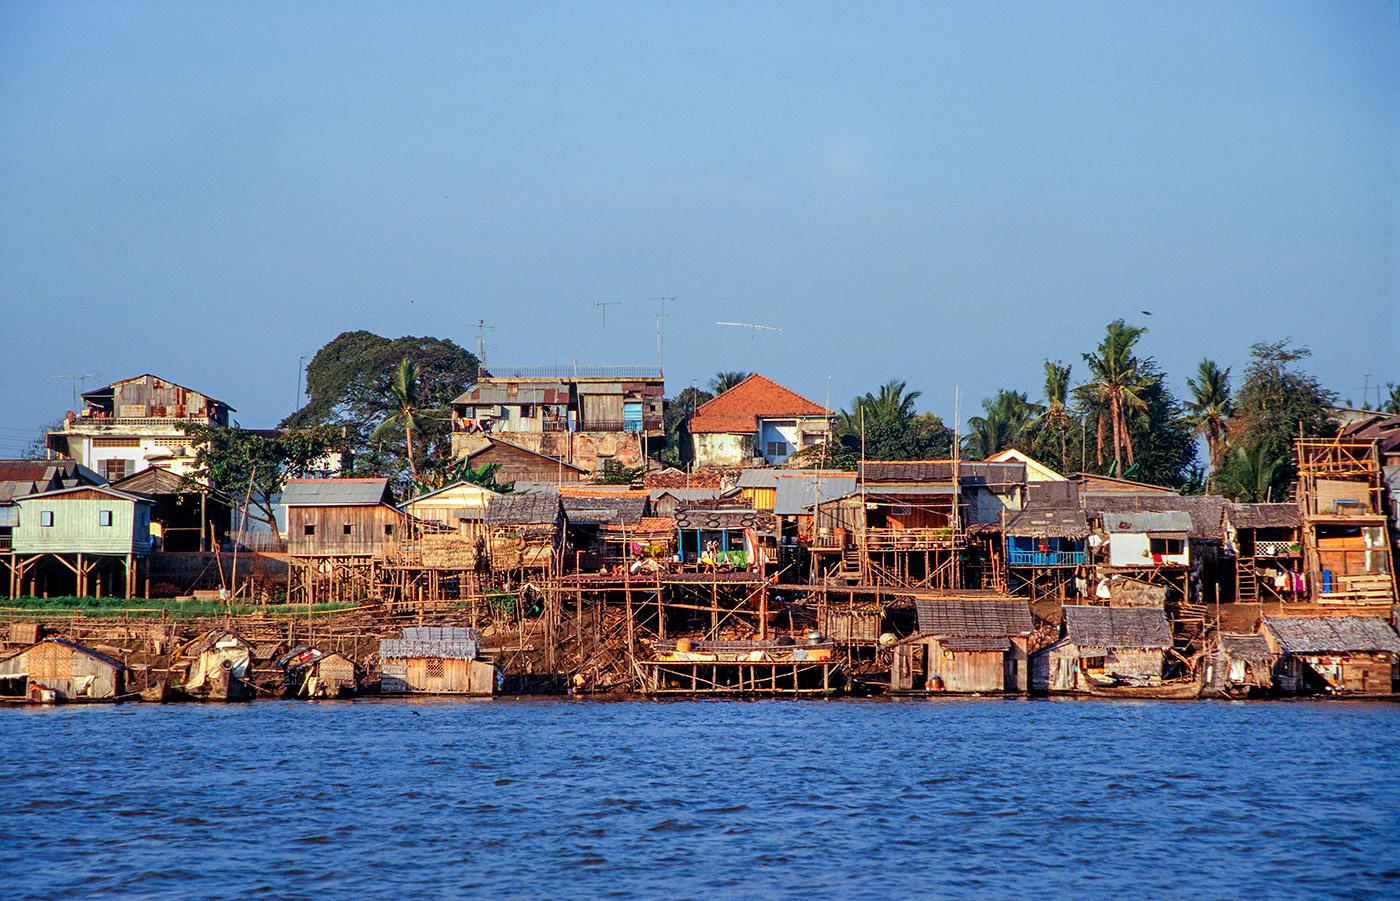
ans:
(351, 531)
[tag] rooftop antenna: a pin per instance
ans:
(603, 347)
(75, 377)
(481, 347)
(753, 330)
(660, 360)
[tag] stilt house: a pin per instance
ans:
(1334, 654)
(965, 644)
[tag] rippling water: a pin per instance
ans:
(701, 799)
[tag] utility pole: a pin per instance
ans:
(300, 369)
(75, 377)
(660, 359)
(603, 345)
(753, 330)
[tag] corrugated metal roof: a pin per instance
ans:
(1117, 627)
(758, 478)
(502, 395)
(989, 474)
(336, 492)
(1203, 510)
(1155, 523)
(973, 617)
(1332, 634)
(796, 494)
(708, 518)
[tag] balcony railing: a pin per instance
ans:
(124, 423)
(911, 539)
(1045, 558)
(645, 424)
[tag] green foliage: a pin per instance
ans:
(441, 473)
(614, 473)
(1392, 400)
(351, 382)
(408, 411)
(1054, 434)
(676, 413)
(38, 449)
(1209, 409)
(723, 381)
(1006, 422)
(890, 428)
(256, 466)
(1276, 403)
(164, 608)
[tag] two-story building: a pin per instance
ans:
(584, 416)
(757, 421)
(134, 424)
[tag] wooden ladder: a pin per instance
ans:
(1246, 581)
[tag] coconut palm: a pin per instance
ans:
(1007, 418)
(1118, 382)
(723, 381)
(1053, 415)
(1209, 409)
(408, 411)
(1392, 402)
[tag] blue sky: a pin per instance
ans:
(942, 192)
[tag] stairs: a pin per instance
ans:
(850, 569)
(1246, 582)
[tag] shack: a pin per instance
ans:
(1144, 540)
(1106, 644)
(313, 673)
(1266, 544)
(1334, 654)
(526, 531)
(220, 667)
(965, 644)
(435, 660)
(60, 669)
(721, 537)
(1243, 664)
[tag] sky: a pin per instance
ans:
(944, 193)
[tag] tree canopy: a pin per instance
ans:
(257, 465)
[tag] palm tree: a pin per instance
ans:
(407, 409)
(1053, 415)
(723, 381)
(1209, 409)
(1248, 475)
(1006, 419)
(1392, 403)
(1118, 382)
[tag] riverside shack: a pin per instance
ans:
(965, 644)
(1334, 654)
(60, 669)
(1126, 644)
(435, 660)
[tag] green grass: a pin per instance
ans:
(107, 607)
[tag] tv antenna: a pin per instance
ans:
(753, 330)
(481, 347)
(75, 378)
(660, 360)
(603, 346)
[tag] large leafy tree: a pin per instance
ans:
(256, 465)
(1275, 404)
(1209, 408)
(1005, 422)
(1117, 387)
(350, 382)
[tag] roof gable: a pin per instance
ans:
(756, 397)
(337, 493)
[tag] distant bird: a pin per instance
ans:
(1145, 312)
(415, 713)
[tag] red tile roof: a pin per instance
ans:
(739, 409)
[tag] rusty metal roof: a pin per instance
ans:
(1263, 516)
(1048, 523)
(336, 493)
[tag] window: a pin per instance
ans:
(1166, 547)
(46, 518)
(104, 517)
(388, 528)
(348, 528)
(115, 469)
(777, 449)
(309, 529)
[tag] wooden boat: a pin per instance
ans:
(1169, 691)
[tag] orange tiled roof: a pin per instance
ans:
(739, 408)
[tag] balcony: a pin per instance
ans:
(911, 539)
(1045, 558)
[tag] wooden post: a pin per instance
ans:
(763, 611)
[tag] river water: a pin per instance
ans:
(424, 799)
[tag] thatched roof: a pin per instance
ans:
(1117, 627)
(1263, 516)
(1332, 634)
(1250, 647)
(1048, 522)
(973, 617)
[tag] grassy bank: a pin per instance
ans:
(29, 608)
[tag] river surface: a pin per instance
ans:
(951, 798)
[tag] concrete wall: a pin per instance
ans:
(716, 450)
